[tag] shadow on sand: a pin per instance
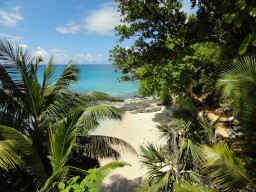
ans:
(121, 184)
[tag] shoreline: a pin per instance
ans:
(138, 126)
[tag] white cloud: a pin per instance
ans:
(56, 50)
(70, 27)
(101, 21)
(88, 58)
(41, 52)
(24, 46)
(12, 38)
(9, 18)
(64, 56)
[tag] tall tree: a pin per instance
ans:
(163, 36)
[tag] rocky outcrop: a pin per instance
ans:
(142, 106)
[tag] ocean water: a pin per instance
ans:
(99, 78)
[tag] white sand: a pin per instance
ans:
(136, 129)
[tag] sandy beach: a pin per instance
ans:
(137, 128)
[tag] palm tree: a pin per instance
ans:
(38, 120)
(179, 158)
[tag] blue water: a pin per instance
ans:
(99, 78)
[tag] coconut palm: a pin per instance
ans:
(42, 118)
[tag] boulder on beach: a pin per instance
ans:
(142, 106)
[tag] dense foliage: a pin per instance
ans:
(173, 52)
(176, 54)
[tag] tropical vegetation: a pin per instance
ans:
(45, 128)
(205, 59)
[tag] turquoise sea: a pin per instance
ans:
(99, 78)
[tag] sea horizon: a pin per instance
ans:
(98, 77)
(78, 64)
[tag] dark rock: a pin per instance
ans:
(115, 99)
(137, 96)
(159, 103)
(130, 106)
(154, 109)
(139, 111)
(163, 117)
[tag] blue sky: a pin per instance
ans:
(81, 30)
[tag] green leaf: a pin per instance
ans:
(241, 4)
(239, 22)
(61, 185)
(254, 40)
(244, 46)
(252, 11)
(67, 189)
(229, 17)
(73, 180)
(76, 187)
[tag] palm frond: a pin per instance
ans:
(13, 55)
(105, 170)
(60, 175)
(62, 141)
(189, 160)
(151, 154)
(58, 105)
(68, 76)
(24, 148)
(20, 68)
(227, 170)
(93, 96)
(8, 158)
(98, 146)
(48, 77)
(163, 183)
(5, 79)
(91, 116)
(166, 131)
(160, 170)
(32, 88)
(239, 82)
(88, 99)
(10, 72)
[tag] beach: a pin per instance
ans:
(137, 127)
